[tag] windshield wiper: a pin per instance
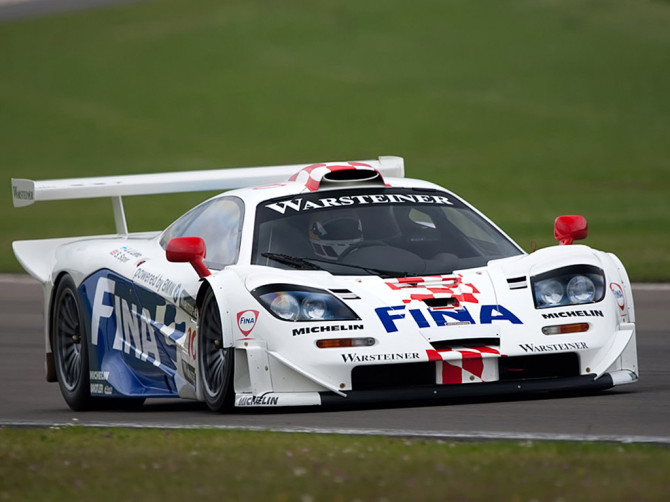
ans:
(294, 261)
(372, 271)
(306, 264)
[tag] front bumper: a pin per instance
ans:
(444, 393)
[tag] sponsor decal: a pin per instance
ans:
(617, 291)
(191, 344)
(299, 204)
(372, 358)
(98, 375)
(246, 320)
(327, 329)
(574, 313)
(135, 326)
(426, 318)
(158, 283)
(257, 401)
(188, 372)
(23, 194)
(555, 347)
(125, 254)
(188, 304)
(99, 389)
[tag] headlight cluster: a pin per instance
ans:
(298, 303)
(574, 285)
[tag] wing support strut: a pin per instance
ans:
(119, 216)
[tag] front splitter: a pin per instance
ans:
(511, 388)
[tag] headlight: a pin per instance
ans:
(283, 306)
(574, 285)
(549, 292)
(299, 303)
(581, 289)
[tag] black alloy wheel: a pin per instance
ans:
(70, 346)
(215, 362)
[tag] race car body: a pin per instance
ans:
(332, 283)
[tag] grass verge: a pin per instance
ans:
(120, 464)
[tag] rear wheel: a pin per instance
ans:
(215, 362)
(70, 347)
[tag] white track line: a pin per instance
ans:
(404, 433)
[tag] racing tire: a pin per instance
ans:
(215, 361)
(69, 343)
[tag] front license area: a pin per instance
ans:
(462, 365)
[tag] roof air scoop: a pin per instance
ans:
(340, 174)
(351, 177)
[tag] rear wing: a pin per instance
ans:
(26, 192)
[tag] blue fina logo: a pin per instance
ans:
(136, 322)
(487, 315)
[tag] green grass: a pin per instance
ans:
(529, 109)
(121, 464)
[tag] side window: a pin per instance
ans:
(471, 225)
(219, 223)
(420, 218)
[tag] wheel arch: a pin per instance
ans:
(49, 300)
(218, 294)
(216, 286)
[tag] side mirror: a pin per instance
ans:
(569, 228)
(188, 250)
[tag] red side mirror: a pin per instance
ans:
(568, 228)
(188, 250)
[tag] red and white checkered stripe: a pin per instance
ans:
(465, 365)
(432, 287)
(311, 176)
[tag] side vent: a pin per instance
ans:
(517, 283)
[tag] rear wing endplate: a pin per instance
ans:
(26, 192)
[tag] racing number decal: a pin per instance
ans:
(190, 343)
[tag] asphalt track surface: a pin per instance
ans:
(635, 413)
(16, 10)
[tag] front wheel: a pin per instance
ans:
(215, 362)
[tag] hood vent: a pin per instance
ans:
(436, 303)
(345, 294)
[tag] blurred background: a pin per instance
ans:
(526, 108)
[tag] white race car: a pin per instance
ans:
(322, 284)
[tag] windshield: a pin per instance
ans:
(385, 231)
